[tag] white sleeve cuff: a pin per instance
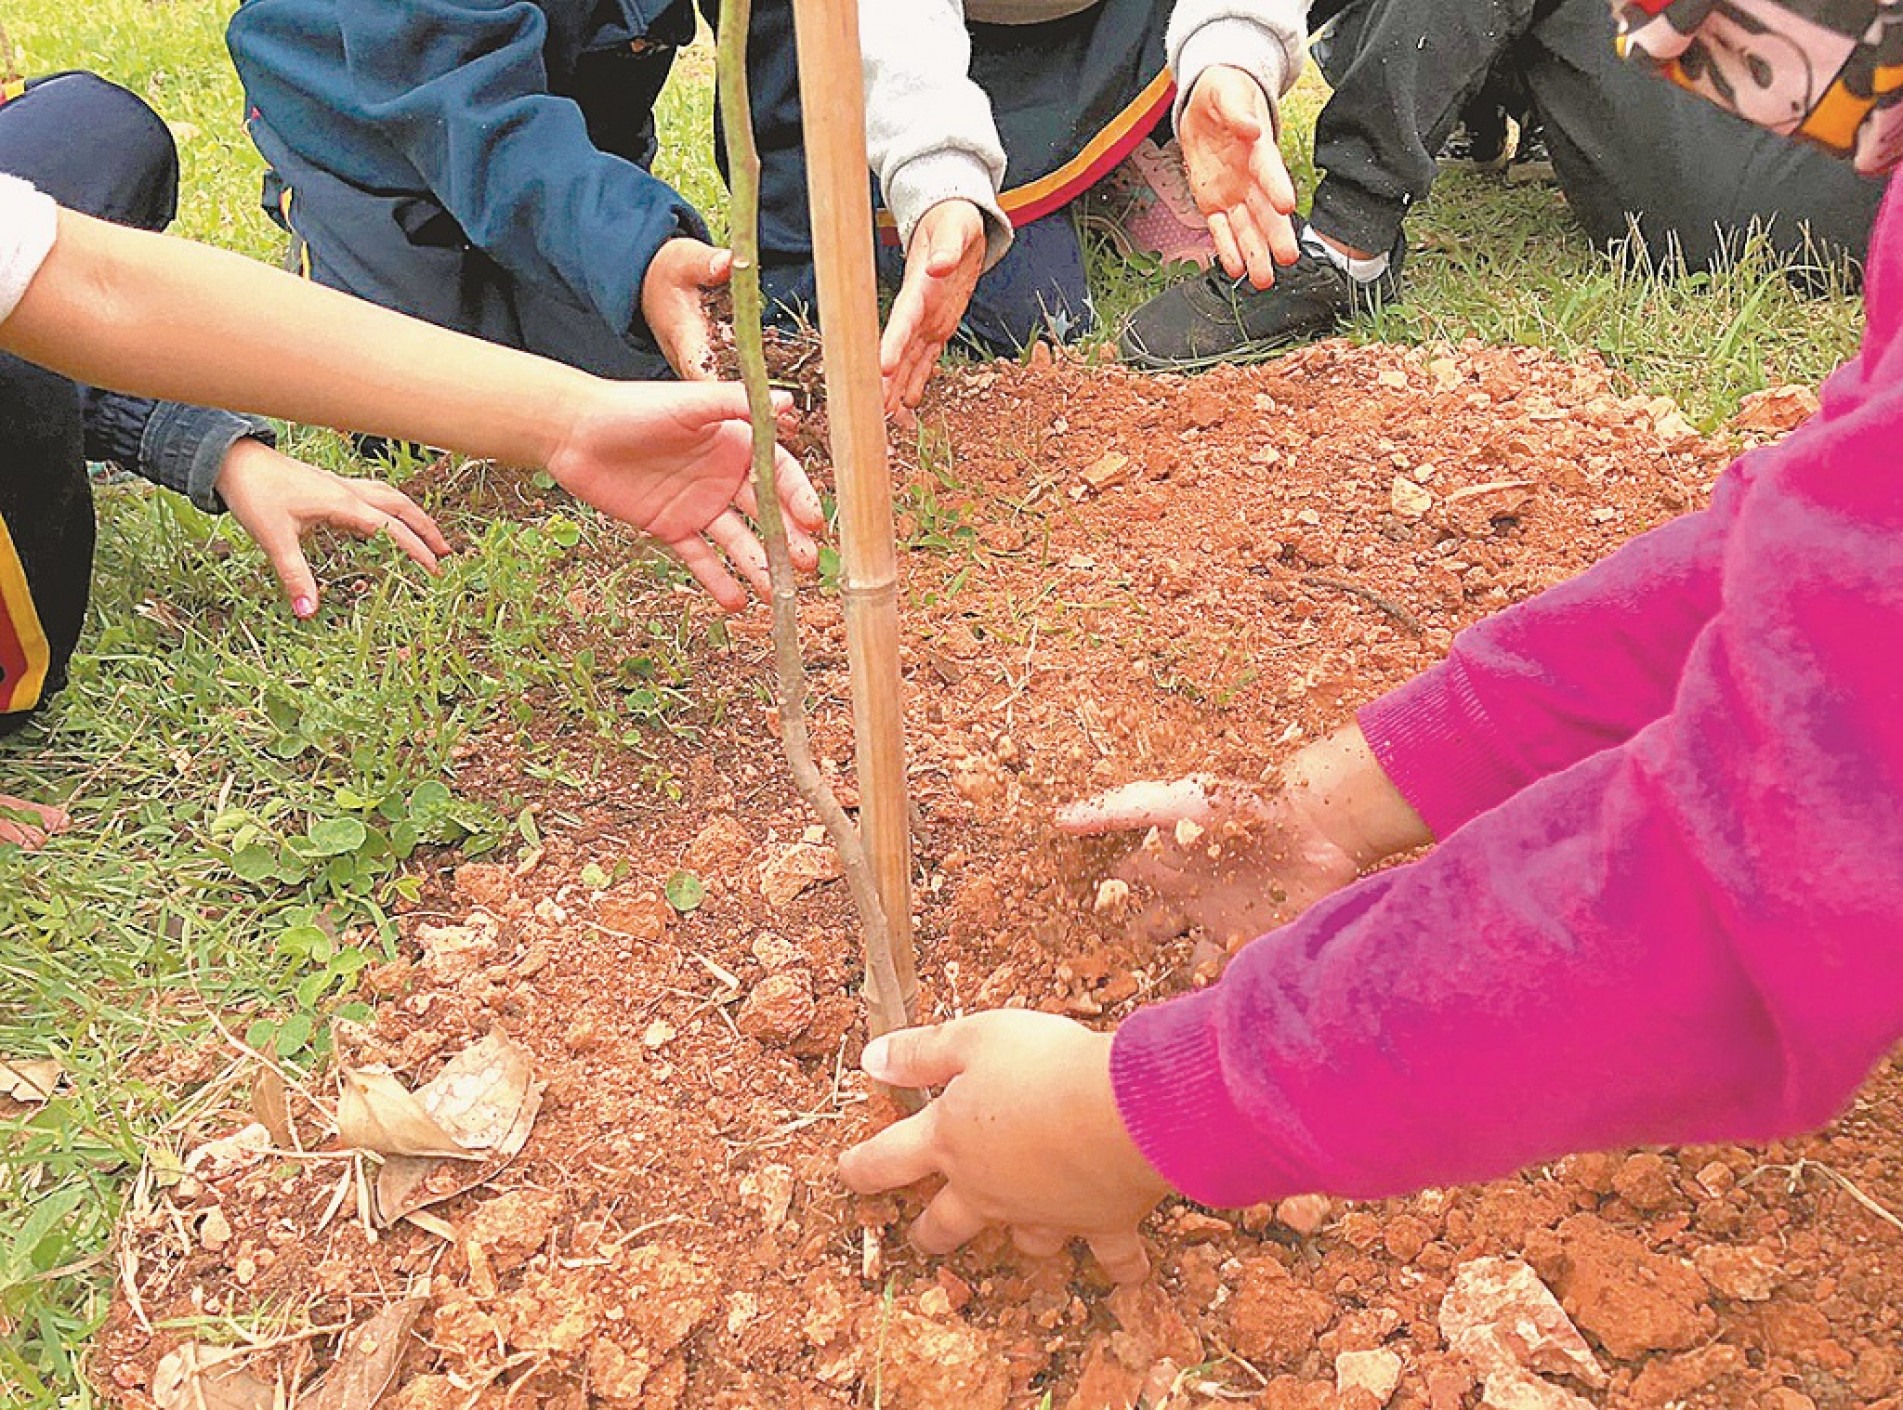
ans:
(947, 174)
(1270, 53)
(29, 224)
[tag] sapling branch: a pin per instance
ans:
(884, 995)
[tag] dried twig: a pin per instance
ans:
(884, 992)
(1387, 604)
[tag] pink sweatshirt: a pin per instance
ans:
(1667, 902)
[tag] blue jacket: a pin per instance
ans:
(487, 108)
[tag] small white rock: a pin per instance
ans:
(1378, 1372)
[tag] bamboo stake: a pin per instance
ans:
(833, 115)
(890, 987)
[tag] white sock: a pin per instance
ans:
(1362, 271)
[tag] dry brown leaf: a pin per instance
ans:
(31, 1080)
(478, 1097)
(273, 1111)
(377, 1113)
(200, 1377)
(488, 1098)
(368, 1360)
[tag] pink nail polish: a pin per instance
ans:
(303, 608)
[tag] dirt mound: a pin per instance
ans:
(1112, 576)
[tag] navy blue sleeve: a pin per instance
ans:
(461, 89)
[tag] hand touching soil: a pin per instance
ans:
(28, 825)
(1025, 1134)
(280, 500)
(672, 298)
(1235, 860)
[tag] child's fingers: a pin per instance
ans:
(1135, 806)
(947, 1223)
(797, 496)
(902, 1154)
(734, 538)
(799, 544)
(412, 545)
(1038, 1241)
(1239, 117)
(1226, 249)
(1253, 245)
(1272, 175)
(1123, 1256)
(393, 501)
(285, 554)
(712, 574)
(916, 1057)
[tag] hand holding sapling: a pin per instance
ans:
(1025, 1134)
(673, 307)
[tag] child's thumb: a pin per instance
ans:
(914, 1057)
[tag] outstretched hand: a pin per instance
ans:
(279, 500)
(1025, 1134)
(941, 269)
(676, 461)
(1237, 175)
(1230, 859)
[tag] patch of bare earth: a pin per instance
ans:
(1160, 574)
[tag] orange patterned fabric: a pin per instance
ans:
(1828, 71)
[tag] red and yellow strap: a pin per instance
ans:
(1099, 157)
(24, 653)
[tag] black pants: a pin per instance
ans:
(100, 150)
(1631, 151)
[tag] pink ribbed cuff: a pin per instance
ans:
(1166, 1070)
(1433, 740)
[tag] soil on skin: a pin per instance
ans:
(673, 1235)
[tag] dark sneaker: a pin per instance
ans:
(1216, 318)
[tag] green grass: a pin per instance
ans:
(248, 788)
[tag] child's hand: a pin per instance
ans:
(279, 500)
(28, 825)
(676, 461)
(941, 270)
(1237, 175)
(1026, 1133)
(672, 308)
(1230, 859)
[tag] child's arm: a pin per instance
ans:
(1689, 937)
(461, 89)
(138, 312)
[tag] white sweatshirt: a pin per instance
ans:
(29, 221)
(929, 129)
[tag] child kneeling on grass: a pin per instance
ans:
(1666, 904)
(141, 313)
